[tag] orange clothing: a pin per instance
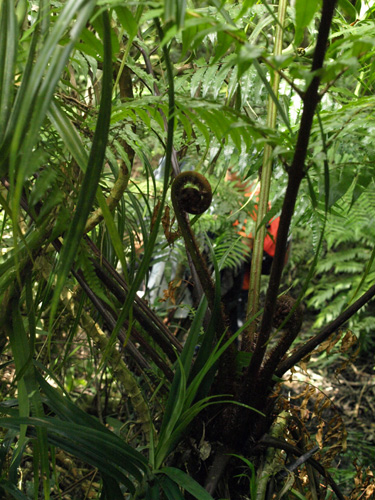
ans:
(269, 245)
(252, 191)
(269, 240)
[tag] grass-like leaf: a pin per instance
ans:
(91, 445)
(28, 392)
(8, 52)
(186, 482)
(93, 171)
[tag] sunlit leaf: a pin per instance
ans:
(304, 14)
(127, 20)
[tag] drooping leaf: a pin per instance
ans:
(93, 171)
(127, 20)
(186, 482)
(8, 53)
(304, 14)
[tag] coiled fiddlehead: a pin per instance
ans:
(191, 193)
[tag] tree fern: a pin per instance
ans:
(350, 240)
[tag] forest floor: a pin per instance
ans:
(337, 391)
(331, 388)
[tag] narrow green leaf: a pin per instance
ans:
(219, 5)
(90, 444)
(280, 109)
(326, 167)
(111, 488)
(171, 490)
(127, 20)
(246, 5)
(177, 395)
(8, 53)
(224, 41)
(92, 175)
(192, 339)
(297, 494)
(68, 411)
(92, 43)
(314, 202)
(27, 385)
(363, 278)
(73, 142)
(5, 140)
(36, 97)
(349, 9)
(47, 70)
(20, 349)
(153, 490)
(174, 407)
(180, 13)
(305, 11)
(203, 359)
(68, 134)
(12, 490)
(112, 230)
(186, 482)
(174, 10)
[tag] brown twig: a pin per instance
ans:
(309, 346)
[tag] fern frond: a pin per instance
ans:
(230, 250)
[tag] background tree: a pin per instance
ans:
(101, 106)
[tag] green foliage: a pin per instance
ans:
(347, 264)
(93, 95)
(230, 250)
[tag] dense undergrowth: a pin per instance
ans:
(122, 374)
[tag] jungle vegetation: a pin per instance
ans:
(116, 118)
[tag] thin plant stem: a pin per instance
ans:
(265, 182)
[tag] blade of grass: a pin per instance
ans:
(27, 386)
(29, 111)
(92, 175)
(171, 490)
(8, 54)
(186, 482)
(89, 444)
(272, 94)
(209, 335)
(174, 407)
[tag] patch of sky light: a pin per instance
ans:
(366, 5)
(228, 152)
(212, 37)
(243, 161)
(295, 102)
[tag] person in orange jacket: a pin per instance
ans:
(235, 288)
